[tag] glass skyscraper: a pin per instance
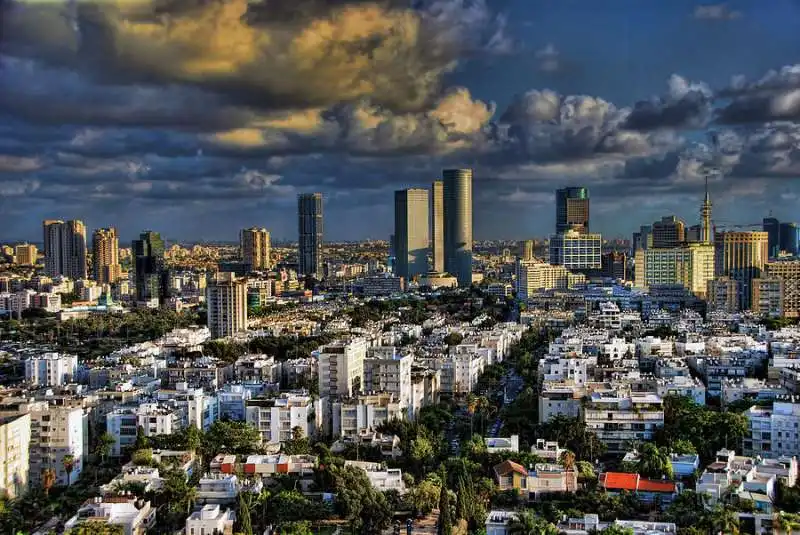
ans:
(572, 210)
(152, 281)
(771, 226)
(309, 245)
(458, 224)
(411, 232)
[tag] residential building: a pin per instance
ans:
(257, 369)
(382, 479)
(618, 417)
(643, 239)
(150, 273)
(690, 266)
(668, 233)
(500, 444)
(411, 232)
(15, 438)
(437, 225)
(572, 210)
(390, 373)
(233, 402)
(154, 419)
(773, 431)
(26, 254)
(457, 195)
(576, 250)
(647, 490)
(135, 515)
(351, 417)
(309, 254)
(723, 295)
(50, 369)
(498, 522)
(105, 256)
(254, 247)
(58, 431)
(591, 523)
(782, 299)
(226, 301)
(741, 256)
(65, 248)
(341, 367)
(222, 489)
(211, 519)
(548, 451)
(382, 284)
(275, 418)
(533, 276)
(200, 409)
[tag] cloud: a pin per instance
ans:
(774, 97)
(17, 164)
(261, 54)
(548, 58)
(686, 105)
(715, 12)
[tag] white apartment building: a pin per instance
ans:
(200, 409)
(576, 370)
(50, 369)
(364, 413)
(154, 419)
(341, 368)
(559, 399)
(682, 385)
(226, 300)
(134, 515)
(275, 418)
(425, 390)
(533, 276)
(774, 431)
(58, 431)
(211, 519)
(257, 369)
(233, 402)
(390, 373)
(382, 479)
(619, 417)
(15, 437)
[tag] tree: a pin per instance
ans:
(141, 439)
(682, 447)
(424, 497)
(298, 444)
(568, 460)
(143, 457)
(296, 528)
(654, 462)
(48, 480)
(68, 462)
(91, 527)
(453, 339)
(358, 502)
(723, 520)
(526, 523)
(614, 529)
(445, 520)
(238, 438)
(103, 447)
(245, 523)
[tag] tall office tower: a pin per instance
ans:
(65, 248)
(669, 232)
(309, 248)
(526, 250)
(411, 232)
(772, 227)
(226, 301)
(741, 256)
(105, 255)
(691, 265)
(437, 225)
(152, 281)
(789, 238)
(457, 195)
(255, 248)
(25, 254)
(575, 250)
(643, 239)
(572, 210)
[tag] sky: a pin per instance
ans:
(197, 118)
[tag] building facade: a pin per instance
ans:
(50, 369)
(411, 232)
(226, 301)
(457, 193)
(576, 250)
(742, 257)
(309, 248)
(255, 247)
(690, 266)
(65, 248)
(668, 233)
(105, 256)
(15, 437)
(26, 254)
(341, 368)
(572, 210)
(437, 225)
(150, 272)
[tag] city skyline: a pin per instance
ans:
(199, 153)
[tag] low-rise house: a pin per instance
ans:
(265, 465)
(382, 478)
(497, 522)
(683, 466)
(211, 519)
(592, 524)
(548, 451)
(499, 444)
(147, 476)
(511, 476)
(218, 489)
(543, 479)
(135, 515)
(647, 490)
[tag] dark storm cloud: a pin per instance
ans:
(774, 97)
(686, 105)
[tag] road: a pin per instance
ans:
(421, 526)
(512, 386)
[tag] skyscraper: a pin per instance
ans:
(411, 232)
(309, 247)
(226, 301)
(789, 238)
(572, 210)
(669, 232)
(772, 227)
(437, 225)
(105, 255)
(151, 274)
(741, 256)
(255, 248)
(457, 195)
(65, 248)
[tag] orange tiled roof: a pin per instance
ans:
(510, 466)
(650, 485)
(633, 482)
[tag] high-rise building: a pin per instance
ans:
(781, 278)
(615, 265)
(669, 232)
(341, 368)
(150, 273)
(457, 194)
(690, 265)
(576, 250)
(26, 254)
(15, 439)
(226, 301)
(723, 295)
(437, 225)
(644, 238)
(572, 210)
(741, 256)
(772, 227)
(526, 250)
(411, 232)
(105, 255)
(533, 276)
(309, 248)
(65, 248)
(789, 238)
(255, 248)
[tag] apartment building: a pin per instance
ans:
(390, 373)
(619, 417)
(257, 369)
(690, 266)
(532, 276)
(50, 369)
(341, 368)
(351, 417)
(134, 515)
(276, 417)
(199, 408)
(58, 431)
(153, 418)
(773, 431)
(15, 437)
(233, 402)
(211, 519)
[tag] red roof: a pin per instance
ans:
(634, 483)
(510, 466)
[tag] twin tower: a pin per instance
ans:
(438, 221)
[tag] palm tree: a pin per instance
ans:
(69, 465)
(568, 460)
(48, 480)
(785, 523)
(526, 523)
(724, 521)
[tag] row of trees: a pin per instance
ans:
(280, 347)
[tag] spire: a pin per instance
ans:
(705, 215)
